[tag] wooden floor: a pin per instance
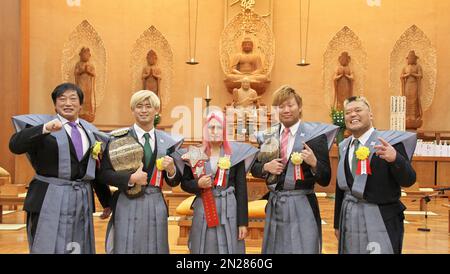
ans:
(436, 241)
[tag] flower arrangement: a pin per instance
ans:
(157, 119)
(338, 119)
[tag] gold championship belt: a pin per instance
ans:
(269, 151)
(126, 154)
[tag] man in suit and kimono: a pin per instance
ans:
(139, 222)
(373, 166)
(293, 223)
(64, 151)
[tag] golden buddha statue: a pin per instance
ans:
(245, 96)
(246, 64)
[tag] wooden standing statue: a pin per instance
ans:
(411, 78)
(151, 74)
(343, 81)
(85, 79)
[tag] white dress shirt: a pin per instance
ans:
(152, 140)
(291, 139)
(140, 135)
(362, 142)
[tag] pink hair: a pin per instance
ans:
(207, 143)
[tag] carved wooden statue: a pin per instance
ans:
(85, 79)
(245, 96)
(151, 74)
(246, 64)
(343, 81)
(411, 78)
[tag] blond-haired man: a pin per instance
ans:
(373, 166)
(139, 222)
(293, 223)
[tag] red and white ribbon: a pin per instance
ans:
(209, 205)
(363, 167)
(157, 178)
(298, 173)
(220, 179)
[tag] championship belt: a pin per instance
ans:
(269, 151)
(126, 154)
(197, 158)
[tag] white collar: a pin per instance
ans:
(65, 121)
(140, 132)
(293, 129)
(363, 138)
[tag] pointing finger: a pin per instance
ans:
(383, 141)
(380, 147)
(307, 147)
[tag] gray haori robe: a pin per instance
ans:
(361, 226)
(139, 225)
(65, 221)
(222, 239)
(291, 226)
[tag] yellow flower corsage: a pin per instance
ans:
(159, 164)
(224, 163)
(96, 149)
(296, 158)
(362, 153)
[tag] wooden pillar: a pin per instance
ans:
(14, 68)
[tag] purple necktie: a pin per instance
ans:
(76, 140)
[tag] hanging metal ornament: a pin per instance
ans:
(303, 60)
(192, 45)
